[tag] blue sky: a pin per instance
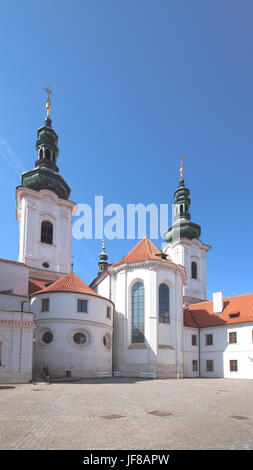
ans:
(137, 83)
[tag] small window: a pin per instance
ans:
(1, 345)
(82, 306)
(47, 337)
(45, 265)
(209, 365)
(41, 154)
(46, 233)
(47, 154)
(45, 305)
(107, 341)
(109, 312)
(233, 337)
(233, 366)
(80, 338)
(194, 366)
(194, 270)
(209, 340)
(194, 340)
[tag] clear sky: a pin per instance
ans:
(137, 83)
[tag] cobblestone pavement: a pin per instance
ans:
(196, 414)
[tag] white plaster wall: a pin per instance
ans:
(17, 348)
(14, 277)
(63, 321)
(191, 353)
(163, 348)
(33, 207)
(222, 351)
(184, 252)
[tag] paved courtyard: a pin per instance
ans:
(150, 414)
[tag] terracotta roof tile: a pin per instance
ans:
(36, 285)
(13, 322)
(238, 309)
(69, 283)
(12, 262)
(143, 251)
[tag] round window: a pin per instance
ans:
(79, 338)
(47, 337)
(107, 341)
(45, 265)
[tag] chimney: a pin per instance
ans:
(218, 303)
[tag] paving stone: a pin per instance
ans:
(157, 415)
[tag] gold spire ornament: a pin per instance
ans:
(48, 103)
(181, 167)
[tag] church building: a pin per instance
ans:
(146, 315)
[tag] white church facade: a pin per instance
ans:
(144, 315)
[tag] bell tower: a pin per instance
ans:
(44, 211)
(183, 246)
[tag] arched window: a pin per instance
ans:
(41, 154)
(138, 313)
(47, 154)
(46, 232)
(194, 270)
(181, 209)
(164, 304)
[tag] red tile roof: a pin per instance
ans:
(13, 322)
(12, 262)
(238, 309)
(69, 283)
(143, 251)
(36, 285)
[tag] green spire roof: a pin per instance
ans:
(103, 257)
(182, 227)
(46, 175)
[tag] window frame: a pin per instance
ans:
(48, 236)
(195, 339)
(209, 362)
(163, 318)
(194, 270)
(230, 336)
(138, 315)
(235, 362)
(78, 303)
(108, 310)
(209, 337)
(194, 365)
(43, 302)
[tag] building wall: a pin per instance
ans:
(14, 277)
(221, 351)
(63, 321)
(191, 352)
(16, 345)
(34, 207)
(184, 252)
(162, 351)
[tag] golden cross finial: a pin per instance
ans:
(48, 103)
(181, 167)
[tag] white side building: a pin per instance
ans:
(16, 324)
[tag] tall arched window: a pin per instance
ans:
(46, 232)
(47, 154)
(138, 312)
(194, 270)
(164, 304)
